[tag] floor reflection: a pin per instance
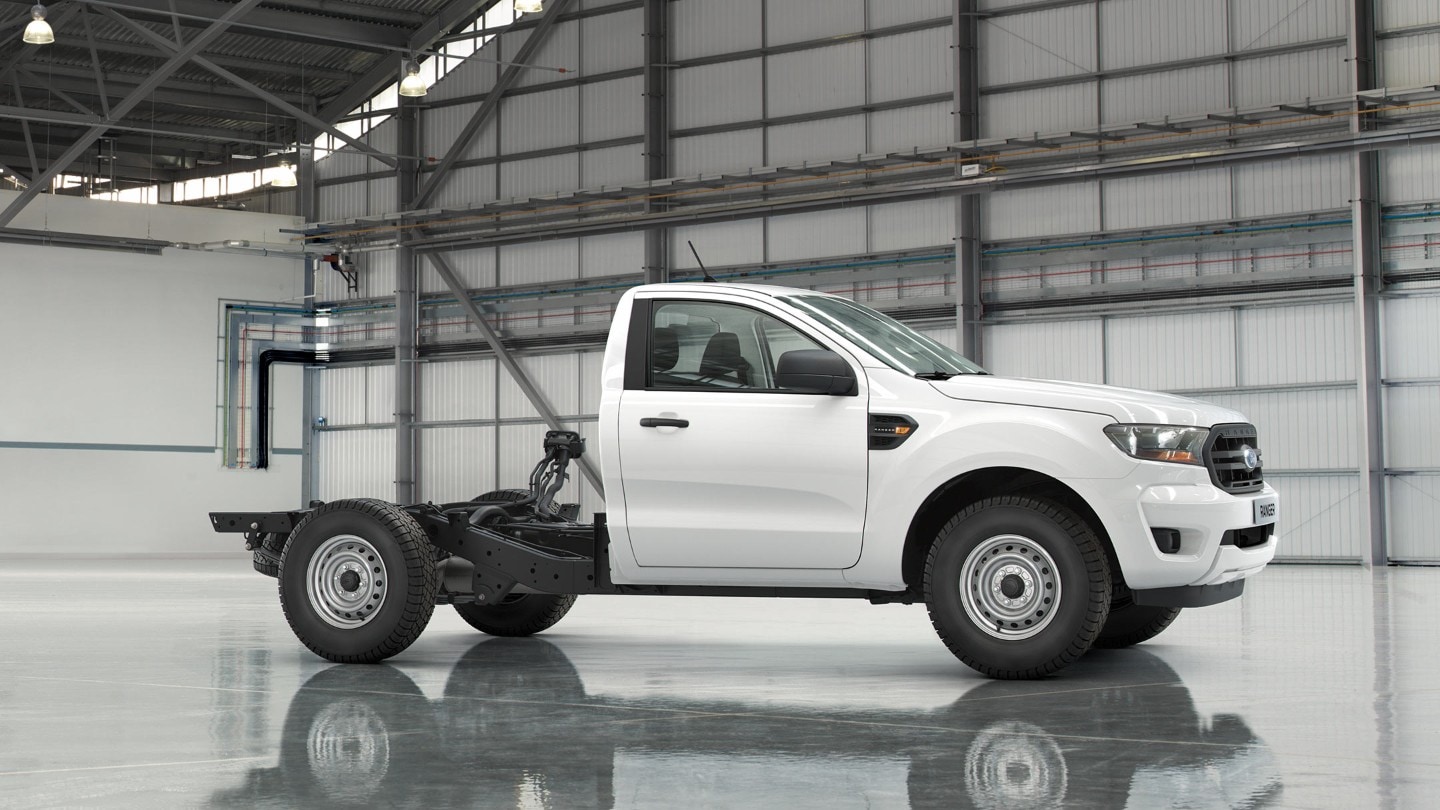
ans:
(515, 727)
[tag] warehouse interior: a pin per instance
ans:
(259, 253)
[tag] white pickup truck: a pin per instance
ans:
(766, 441)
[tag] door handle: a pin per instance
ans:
(655, 421)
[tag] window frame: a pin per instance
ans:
(639, 346)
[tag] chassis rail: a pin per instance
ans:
(483, 564)
(488, 549)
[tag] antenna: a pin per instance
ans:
(696, 254)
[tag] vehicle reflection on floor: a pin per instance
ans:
(516, 728)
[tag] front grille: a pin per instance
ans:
(1225, 456)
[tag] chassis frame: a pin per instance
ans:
(488, 549)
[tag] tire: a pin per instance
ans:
(1129, 623)
(1056, 567)
(263, 565)
(502, 496)
(340, 610)
(273, 543)
(519, 614)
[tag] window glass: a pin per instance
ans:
(706, 345)
(890, 341)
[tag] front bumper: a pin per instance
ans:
(1209, 522)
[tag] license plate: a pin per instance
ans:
(1265, 510)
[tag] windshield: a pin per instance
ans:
(890, 341)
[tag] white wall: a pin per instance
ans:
(108, 381)
(170, 223)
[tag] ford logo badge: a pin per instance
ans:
(1252, 457)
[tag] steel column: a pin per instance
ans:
(1369, 283)
(308, 207)
(406, 315)
(492, 101)
(657, 131)
(131, 101)
(532, 392)
(966, 22)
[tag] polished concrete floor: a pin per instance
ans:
(178, 684)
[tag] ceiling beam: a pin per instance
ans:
(130, 102)
(6, 172)
(199, 140)
(457, 13)
(129, 166)
(237, 62)
(373, 13)
(369, 35)
(166, 45)
(206, 94)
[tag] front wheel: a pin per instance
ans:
(519, 614)
(358, 580)
(1017, 587)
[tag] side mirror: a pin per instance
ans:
(815, 371)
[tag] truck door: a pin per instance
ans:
(721, 468)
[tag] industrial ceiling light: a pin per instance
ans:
(38, 31)
(529, 6)
(412, 85)
(284, 176)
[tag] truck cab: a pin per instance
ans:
(770, 435)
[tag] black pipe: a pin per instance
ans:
(268, 358)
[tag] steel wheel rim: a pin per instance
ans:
(345, 580)
(1010, 587)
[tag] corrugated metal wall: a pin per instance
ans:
(1290, 367)
(1412, 401)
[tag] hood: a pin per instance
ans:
(1125, 405)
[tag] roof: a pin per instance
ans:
(320, 56)
(767, 290)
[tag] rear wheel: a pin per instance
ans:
(519, 614)
(1017, 587)
(358, 581)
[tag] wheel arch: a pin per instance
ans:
(975, 485)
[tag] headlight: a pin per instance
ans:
(1182, 445)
